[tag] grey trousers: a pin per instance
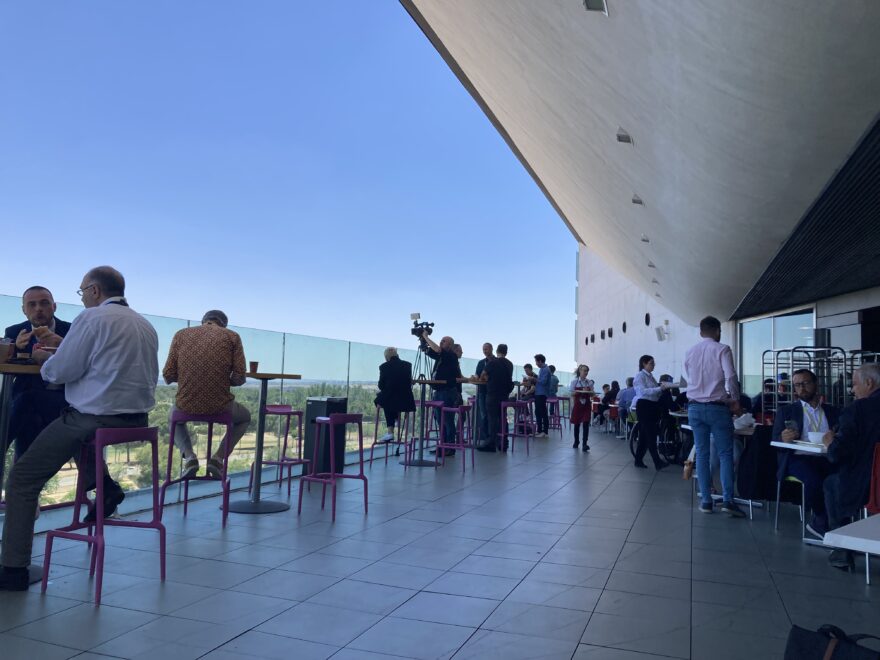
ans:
(54, 446)
(241, 419)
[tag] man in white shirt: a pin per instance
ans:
(109, 364)
(713, 397)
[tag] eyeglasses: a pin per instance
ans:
(80, 292)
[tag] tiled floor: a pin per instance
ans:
(557, 555)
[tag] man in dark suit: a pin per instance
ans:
(851, 449)
(395, 390)
(34, 404)
(793, 422)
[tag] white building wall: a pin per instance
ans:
(606, 300)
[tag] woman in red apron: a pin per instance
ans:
(581, 389)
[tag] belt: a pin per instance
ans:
(709, 403)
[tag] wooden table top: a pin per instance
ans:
(428, 381)
(265, 376)
(17, 369)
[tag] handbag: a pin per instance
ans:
(827, 643)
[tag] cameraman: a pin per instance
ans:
(445, 369)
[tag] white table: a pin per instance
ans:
(808, 447)
(860, 536)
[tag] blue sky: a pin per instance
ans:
(308, 167)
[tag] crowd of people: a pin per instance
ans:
(101, 371)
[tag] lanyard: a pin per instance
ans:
(814, 417)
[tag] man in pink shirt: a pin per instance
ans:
(713, 396)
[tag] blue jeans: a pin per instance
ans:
(706, 419)
(449, 397)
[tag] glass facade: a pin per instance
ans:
(329, 367)
(771, 332)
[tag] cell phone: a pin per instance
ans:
(790, 425)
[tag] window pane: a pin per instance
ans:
(793, 330)
(755, 338)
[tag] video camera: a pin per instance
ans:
(421, 327)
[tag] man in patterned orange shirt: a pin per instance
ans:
(205, 361)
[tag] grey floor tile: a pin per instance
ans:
(19, 608)
(444, 608)
(202, 548)
(84, 627)
(272, 647)
(713, 644)
(494, 566)
(538, 621)
(319, 563)
(510, 551)
(578, 576)
(651, 585)
(361, 549)
(234, 607)
(397, 575)
(354, 654)
(413, 639)
(636, 634)
(588, 652)
(21, 648)
(263, 555)
(286, 584)
(158, 597)
(478, 586)
(363, 597)
(507, 646)
(171, 638)
(320, 623)
(555, 595)
(214, 574)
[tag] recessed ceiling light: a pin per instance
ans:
(654, 280)
(624, 137)
(596, 5)
(645, 239)
(637, 200)
(651, 264)
(658, 295)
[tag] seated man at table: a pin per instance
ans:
(625, 398)
(793, 422)
(851, 450)
(395, 394)
(108, 363)
(205, 361)
(34, 402)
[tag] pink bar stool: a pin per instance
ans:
(555, 421)
(522, 427)
(431, 427)
(180, 417)
(284, 461)
(330, 478)
(95, 539)
(402, 437)
(464, 436)
(565, 409)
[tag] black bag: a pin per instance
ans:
(827, 643)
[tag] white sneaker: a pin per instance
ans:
(190, 467)
(388, 437)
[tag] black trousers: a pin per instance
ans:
(31, 412)
(493, 416)
(541, 417)
(648, 413)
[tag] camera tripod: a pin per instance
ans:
(421, 365)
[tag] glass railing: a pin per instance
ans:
(328, 367)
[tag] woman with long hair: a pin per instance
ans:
(648, 412)
(581, 389)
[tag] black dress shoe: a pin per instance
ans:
(640, 464)
(486, 448)
(112, 499)
(586, 447)
(576, 444)
(14, 579)
(842, 560)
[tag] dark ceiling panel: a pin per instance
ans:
(835, 248)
